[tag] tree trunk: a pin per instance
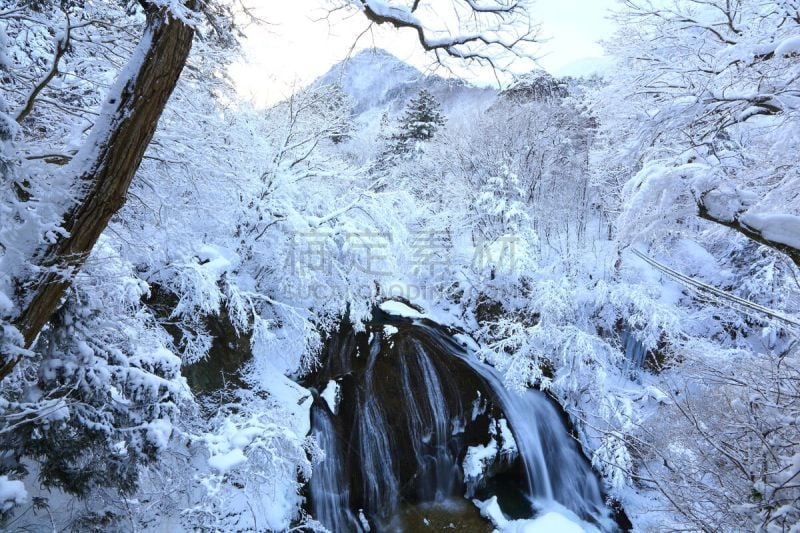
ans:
(107, 163)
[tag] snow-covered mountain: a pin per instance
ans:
(379, 82)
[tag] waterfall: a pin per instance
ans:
(555, 469)
(430, 427)
(635, 352)
(409, 411)
(379, 483)
(331, 497)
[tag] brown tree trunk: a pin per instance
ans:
(106, 165)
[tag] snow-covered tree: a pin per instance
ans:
(710, 92)
(420, 121)
(93, 396)
(169, 255)
(143, 206)
(692, 145)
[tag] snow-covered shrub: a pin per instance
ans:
(257, 463)
(725, 451)
(101, 391)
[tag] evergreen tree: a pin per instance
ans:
(385, 130)
(419, 123)
(340, 106)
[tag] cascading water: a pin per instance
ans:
(556, 472)
(430, 428)
(331, 500)
(635, 352)
(379, 482)
(408, 417)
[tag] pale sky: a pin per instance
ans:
(301, 42)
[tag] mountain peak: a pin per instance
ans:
(371, 77)
(373, 55)
(378, 81)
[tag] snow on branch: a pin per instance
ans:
(497, 26)
(780, 232)
(186, 12)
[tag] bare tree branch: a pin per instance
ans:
(503, 36)
(62, 44)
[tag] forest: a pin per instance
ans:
(399, 299)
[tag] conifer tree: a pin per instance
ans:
(420, 121)
(339, 105)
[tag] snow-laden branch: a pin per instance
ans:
(105, 165)
(779, 231)
(511, 28)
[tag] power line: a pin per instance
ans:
(734, 301)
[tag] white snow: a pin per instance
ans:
(225, 461)
(788, 46)
(216, 260)
(242, 182)
(393, 307)
(6, 305)
(490, 509)
(478, 406)
(725, 203)
(699, 262)
(509, 444)
(12, 492)
(776, 227)
(467, 341)
(293, 398)
(158, 432)
(331, 396)
(477, 459)
(84, 349)
(549, 521)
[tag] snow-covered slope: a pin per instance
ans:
(379, 82)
